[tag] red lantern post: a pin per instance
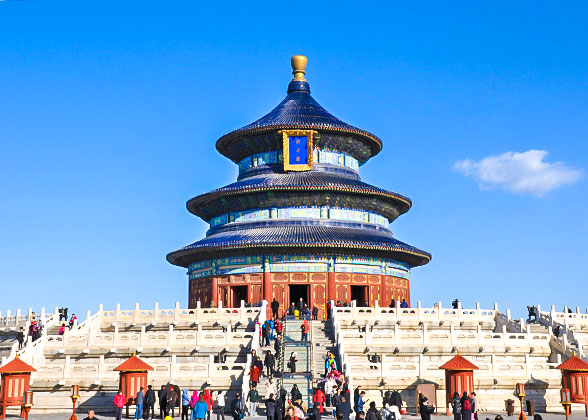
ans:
(28, 404)
(520, 393)
(75, 394)
(566, 401)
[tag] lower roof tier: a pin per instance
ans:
(298, 189)
(266, 240)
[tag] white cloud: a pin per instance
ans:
(521, 173)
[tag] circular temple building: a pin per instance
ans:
(299, 222)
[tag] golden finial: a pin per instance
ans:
(135, 353)
(574, 352)
(299, 63)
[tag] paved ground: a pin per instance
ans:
(482, 416)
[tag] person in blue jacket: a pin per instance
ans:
(200, 409)
(185, 405)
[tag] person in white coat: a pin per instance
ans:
(219, 405)
(390, 412)
(330, 385)
(270, 388)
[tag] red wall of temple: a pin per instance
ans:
(230, 289)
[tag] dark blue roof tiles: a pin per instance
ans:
(300, 110)
(311, 180)
(296, 236)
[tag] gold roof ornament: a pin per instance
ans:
(299, 63)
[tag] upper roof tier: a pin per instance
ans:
(298, 111)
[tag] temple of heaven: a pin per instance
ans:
(299, 222)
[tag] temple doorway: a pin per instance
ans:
(239, 293)
(298, 291)
(359, 294)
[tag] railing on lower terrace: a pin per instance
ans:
(162, 371)
(418, 314)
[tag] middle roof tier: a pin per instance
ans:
(311, 188)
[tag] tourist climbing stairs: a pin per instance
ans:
(292, 342)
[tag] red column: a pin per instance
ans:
(267, 285)
(331, 291)
(215, 292)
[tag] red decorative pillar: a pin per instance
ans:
(215, 293)
(331, 291)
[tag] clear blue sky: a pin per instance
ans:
(109, 112)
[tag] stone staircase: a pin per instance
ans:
(323, 340)
(303, 376)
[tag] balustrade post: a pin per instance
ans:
(522, 324)
(382, 370)
(477, 311)
(396, 334)
(528, 368)
(419, 310)
(115, 338)
(143, 335)
(198, 309)
(424, 332)
(198, 334)
(156, 312)
(242, 310)
(211, 367)
(439, 311)
(170, 335)
(173, 367)
(89, 340)
(479, 334)
(117, 313)
(136, 313)
(66, 367)
(101, 367)
(43, 314)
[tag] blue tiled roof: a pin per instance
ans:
(300, 110)
(305, 181)
(296, 236)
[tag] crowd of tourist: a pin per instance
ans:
(195, 405)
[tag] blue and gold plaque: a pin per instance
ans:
(297, 150)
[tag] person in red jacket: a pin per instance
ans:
(209, 402)
(119, 403)
(254, 375)
(319, 397)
